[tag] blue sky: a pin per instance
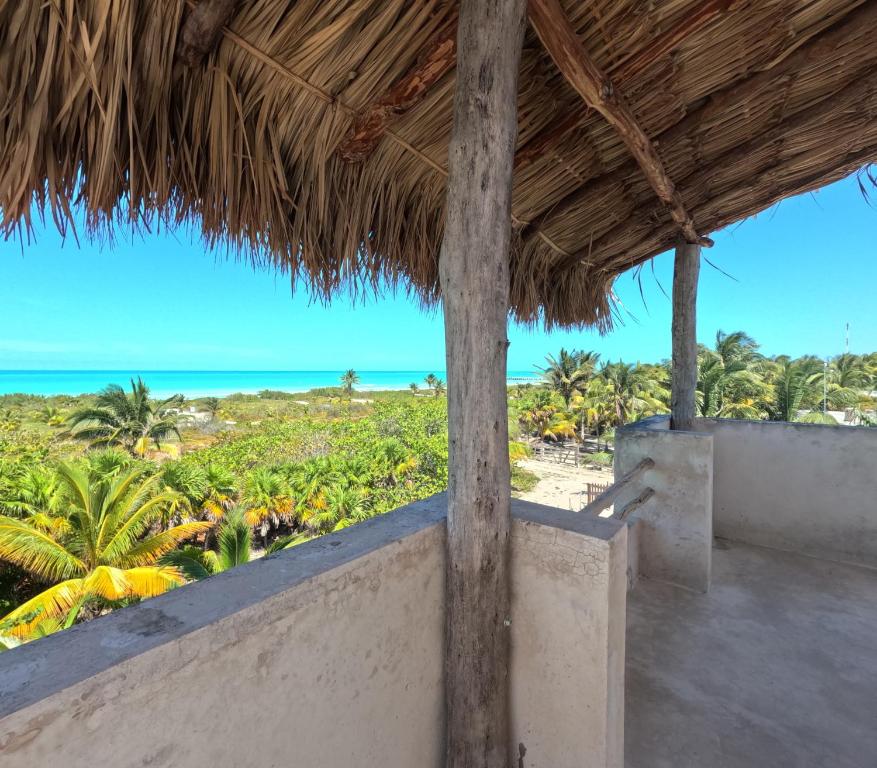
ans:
(803, 270)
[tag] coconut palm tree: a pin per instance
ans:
(430, 381)
(438, 387)
(728, 382)
(413, 387)
(569, 372)
(266, 499)
(109, 549)
(348, 379)
(595, 406)
(234, 546)
(798, 386)
(633, 390)
(212, 404)
(130, 420)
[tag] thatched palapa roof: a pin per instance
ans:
(314, 134)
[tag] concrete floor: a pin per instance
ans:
(775, 668)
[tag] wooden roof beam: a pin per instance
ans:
(693, 21)
(202, 29)
(815, 50)
(438, 57)
(562, 43)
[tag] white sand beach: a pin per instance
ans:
(561, 485)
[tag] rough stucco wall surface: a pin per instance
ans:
(802, 487)
(569, 591)
(341, 666)
(674, 534)
(330, 655)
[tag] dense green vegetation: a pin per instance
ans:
(584, 397)
(109, 498)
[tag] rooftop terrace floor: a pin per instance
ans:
(776, 666)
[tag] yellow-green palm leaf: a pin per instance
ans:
(117, 584)
(37, 551)
(150, 549)
(107, 550)
(50, 603)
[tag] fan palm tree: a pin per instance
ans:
(348, 379)
(130, 420)
(36, 494)
(345, 505)
(569, 372)
(108, 551)
(221, 488)
(234, 546)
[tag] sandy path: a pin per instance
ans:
(561, 485)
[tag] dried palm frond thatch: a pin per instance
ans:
(746, 102)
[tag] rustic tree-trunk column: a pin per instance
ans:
(474, 272)
(684, 380)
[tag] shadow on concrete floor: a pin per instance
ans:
(775, 668)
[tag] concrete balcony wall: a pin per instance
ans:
(802, 487)
(330, 655)
(671, 534)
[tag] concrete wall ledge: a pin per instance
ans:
(39, 669)
(809, 488)
(672, 537)
(352, 622)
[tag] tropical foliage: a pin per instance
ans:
(131, 420)
(106, 513)
(100, 544)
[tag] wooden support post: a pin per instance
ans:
(474, 274)
(684, 377)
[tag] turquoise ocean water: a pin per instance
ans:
(210, 383)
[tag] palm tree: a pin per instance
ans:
(848, 379)
(633, 390)
(130, 420)
(728, 383)
(430, 381)
(37, 494)
(234, 540)
(413, 387)
(221, 487)
(267, 499)
(569, 372)
(52, 416)
(798, 386)
(108, 549)
(596, 407)
(212, 405)
(438, 388)
(348, 379)
(345, 505)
